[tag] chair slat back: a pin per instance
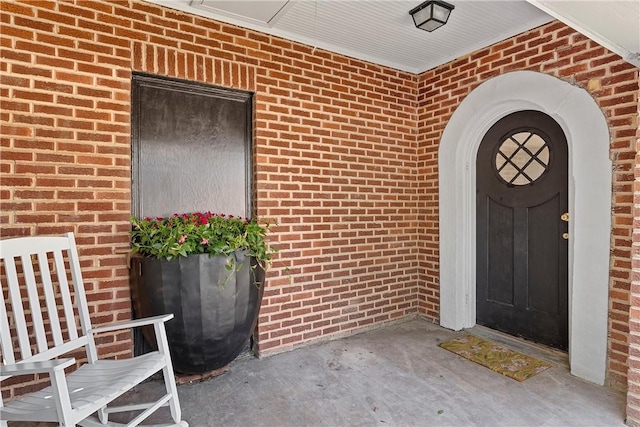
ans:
(5, 335)
(34, 303)
(50, 299)
(43, 315)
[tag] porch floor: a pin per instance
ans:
(395, 376)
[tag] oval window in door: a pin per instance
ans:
(522, 158)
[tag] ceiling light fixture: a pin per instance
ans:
(431, 14)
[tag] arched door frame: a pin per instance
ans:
(589, 205)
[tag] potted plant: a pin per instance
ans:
(208, 270)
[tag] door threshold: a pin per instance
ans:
(521, 345)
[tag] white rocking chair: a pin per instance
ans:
(45, 310)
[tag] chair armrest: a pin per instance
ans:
(132, 324)
(26, 368)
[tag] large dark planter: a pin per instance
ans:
(215, 309)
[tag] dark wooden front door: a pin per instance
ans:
(522, 226)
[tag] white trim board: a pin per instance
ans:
(590, 194)
(613, 24)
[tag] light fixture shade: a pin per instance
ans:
(431, 14)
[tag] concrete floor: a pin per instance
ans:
(392, 376)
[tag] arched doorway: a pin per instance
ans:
(589, 202)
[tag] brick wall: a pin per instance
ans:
(335, 155)
(557, 50)
(633, 394)
(346, 155)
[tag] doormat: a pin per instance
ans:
(496, 357)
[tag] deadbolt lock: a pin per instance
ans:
(565, 236)
(565, 216)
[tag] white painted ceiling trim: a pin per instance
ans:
(242, 17)
(612, 24)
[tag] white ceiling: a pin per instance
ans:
(382, 31)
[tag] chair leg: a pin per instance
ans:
(167, 372)
(170, 384)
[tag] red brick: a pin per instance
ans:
(70, 9)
